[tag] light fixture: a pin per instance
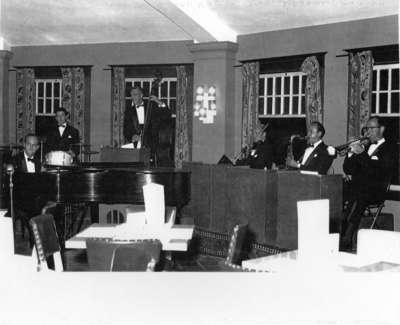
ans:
(205, 106)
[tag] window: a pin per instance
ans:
(166, 90)
(48, 96)
(282, 95)
(385, 103)
(385, 90)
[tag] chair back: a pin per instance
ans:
(46, 241)
(113, 256)
(236, 245)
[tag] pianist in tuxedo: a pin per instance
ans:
(368, 168)
(135, 120)
(63, 136)
(317, 156)
(27, 162)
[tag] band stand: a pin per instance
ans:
(108, 154)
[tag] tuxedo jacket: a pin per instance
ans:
(19, 163)
(371, 174)
(55, 142)
(262, 155)
(319, 161)
(30, 205)
(159, 116)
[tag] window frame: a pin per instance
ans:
(378, 68)
(282, 94)
(45, 97)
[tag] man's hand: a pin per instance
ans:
(156, 100)
(136, 138)
(71, 153)
(291, 163)
(357, 148)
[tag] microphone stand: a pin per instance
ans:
(10, 172)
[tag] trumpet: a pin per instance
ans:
(345, 148)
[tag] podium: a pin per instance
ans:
(108, 154)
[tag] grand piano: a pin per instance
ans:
(100, 183)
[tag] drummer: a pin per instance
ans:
(62, 136)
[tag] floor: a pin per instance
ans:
(75, 260)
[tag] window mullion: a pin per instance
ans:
(273, 94)
(265, 95)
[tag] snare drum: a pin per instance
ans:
(59, 158)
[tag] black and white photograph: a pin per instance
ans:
(199, 162)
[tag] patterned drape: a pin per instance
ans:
(73, 96)
(250, 76)
(26, 92)
(183, 125)
(117, 106)
(360, 90)
(313, 91)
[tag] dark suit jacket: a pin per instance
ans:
(263, 155)
(26, 207)
(57, 143)
(371, 174)
(319, 160)
(19, 163)
(158, 116)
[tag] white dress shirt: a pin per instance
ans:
(374, 146)
(30, 166)
(139, 112)
(308, 151)
(61, 128)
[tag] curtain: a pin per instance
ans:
(313, 90)
(117, 105)
(360, 92)
(73, 98)
(184, 115)
(250, 76)
(26, 94)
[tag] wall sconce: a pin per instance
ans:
(205, 107)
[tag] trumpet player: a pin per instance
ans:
(368, 168)
(317, 156)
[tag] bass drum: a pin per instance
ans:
(58, 158)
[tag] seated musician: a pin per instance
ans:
(317, 156)
(27, 162)
(261, 154)
(63, 136)
(368, 167)
(139, 127)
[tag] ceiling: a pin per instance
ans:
(46, 22)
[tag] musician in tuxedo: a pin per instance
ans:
(63, 136)
(368, 168)
(261, 154)
(144, 122)
(27, 162)
(317, 156)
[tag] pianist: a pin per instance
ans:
(63, 136)
(27, 162)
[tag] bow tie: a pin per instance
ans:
(31, 159)
(62, 126)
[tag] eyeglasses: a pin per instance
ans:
(372, 127)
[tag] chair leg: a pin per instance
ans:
(378, 212)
